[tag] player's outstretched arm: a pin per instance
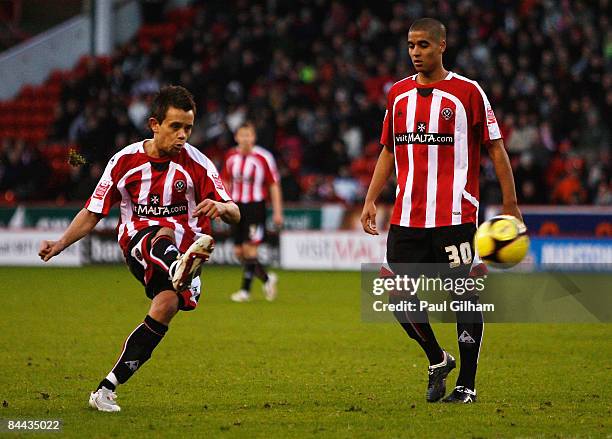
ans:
(501, 162)
(277, 204)
(382, 172)
(83, 223)
(228, 211)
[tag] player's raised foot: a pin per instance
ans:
(184, 268)
(104, 400)
(269, 287)
(241, 296)
(437, 377)
(461, 395)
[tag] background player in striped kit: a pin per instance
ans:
(168, 193)
(251, 174)
(434, 126)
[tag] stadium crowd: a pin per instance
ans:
(313, 76)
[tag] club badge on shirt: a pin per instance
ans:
(447, 113)
(180, 185)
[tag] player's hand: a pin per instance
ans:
(210, 208)
(513, 210)
(48, 249)
(278, 220)
(368, 218)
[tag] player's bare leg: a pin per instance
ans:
(164, 307)
(238, 253)
(165, 231)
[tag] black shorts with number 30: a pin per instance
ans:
(449, 249)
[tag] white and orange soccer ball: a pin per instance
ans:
(502, 241)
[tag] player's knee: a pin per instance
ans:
(249, 251)
(238, 252)
(165, 231)
(164, 306)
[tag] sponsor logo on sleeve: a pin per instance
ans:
(491, 120)
(217, 181)
(102, 189)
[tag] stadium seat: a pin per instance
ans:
(181, 16)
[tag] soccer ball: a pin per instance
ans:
(502, 241)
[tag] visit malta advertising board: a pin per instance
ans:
(337, 250)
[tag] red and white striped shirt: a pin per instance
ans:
(250, 175)
(436, 131)
(160, 192)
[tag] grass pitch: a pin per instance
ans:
(303, 366)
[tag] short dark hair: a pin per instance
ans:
(171, 96)
(247, 124)
(430, 25)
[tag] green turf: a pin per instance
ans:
(305, 365)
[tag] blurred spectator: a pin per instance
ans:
(524, 136)
(23, 171)
(83, 181)
(138, 111)
(604, 194)
(569, 189)
(529, 181)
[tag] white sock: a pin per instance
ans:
(112, 378)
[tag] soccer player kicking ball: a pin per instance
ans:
(434, 126)
(251, 174)
(168, 193)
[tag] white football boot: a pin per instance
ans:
(184, 268)
(104, 400)
(269, 288)
(241, 296)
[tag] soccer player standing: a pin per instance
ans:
(251, 174)
(435, 123)
(168, 192)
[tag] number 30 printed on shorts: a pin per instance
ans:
(456, 256)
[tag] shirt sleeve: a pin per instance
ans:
(213, 187)
(105, 194)
(484, 116)
(271, 169)
(386, 136)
